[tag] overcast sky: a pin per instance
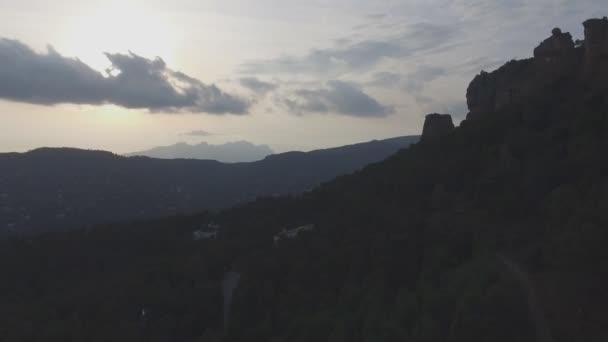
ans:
(129, 75)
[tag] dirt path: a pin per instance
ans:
(537, 315)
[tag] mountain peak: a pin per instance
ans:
(231, 152)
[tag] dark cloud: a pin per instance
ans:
(198, 133)
(338, 97)
(257, 86)
(132, 81)
(356, 56)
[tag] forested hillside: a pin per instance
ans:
(58, 189)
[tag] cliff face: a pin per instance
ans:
(508, 85)
(596, 47)
(555, 60)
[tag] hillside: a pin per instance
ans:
(48, 189)
(491, 231)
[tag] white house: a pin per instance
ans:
(292, 233)
(203, 235)
(213, 226)
(209, 231)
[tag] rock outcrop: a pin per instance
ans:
(481, 95)
(555, 60)
(436, 126)
(555, 49)
(556, 55)
(596, 47)
(507, 85)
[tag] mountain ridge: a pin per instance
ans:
(230, 152)
(66, 187)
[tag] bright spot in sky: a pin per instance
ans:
(117, 26)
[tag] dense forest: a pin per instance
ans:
(491, 231)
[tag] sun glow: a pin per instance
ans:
(107, 115)
(118, 26)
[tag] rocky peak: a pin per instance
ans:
(556, 59)
(555, 48)
(436, 125)
(596, 33)
(596, 46)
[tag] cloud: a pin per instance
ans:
(353, 56)
(198, 133)
(346, 56)
(338, 97)
(475, 65)
(424, 74)
(257, 86)
(427, 37)
(132, 81)
(342, 41)
(385, 79)
(376, 16)
(414, 82)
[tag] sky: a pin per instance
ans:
(129, 75)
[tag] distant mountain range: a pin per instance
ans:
(53, 188)
(232, 152)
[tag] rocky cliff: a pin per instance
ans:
(435, 126)
(596, 47)
(557, 60)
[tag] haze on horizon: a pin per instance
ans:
(295, 75)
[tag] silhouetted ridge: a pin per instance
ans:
(68, 152)
(556, 61)
(60, 188)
